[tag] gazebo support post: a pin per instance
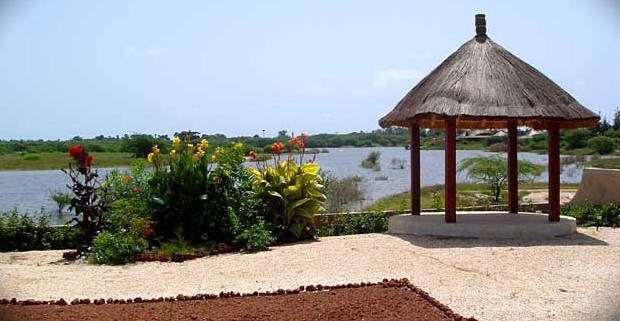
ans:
(553, 131)
(414, 149)
(513, 168)
(450, 178)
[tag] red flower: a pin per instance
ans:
(148, 232)
(75, 150)
(88, 160)
(277, 147)
(252, 154)
(303, 136)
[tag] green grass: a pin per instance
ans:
(468, 194)
(43, 161)
(611, 163)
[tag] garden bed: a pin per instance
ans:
(387, 300)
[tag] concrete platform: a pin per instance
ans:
(492, 225)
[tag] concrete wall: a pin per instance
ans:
(598, 186)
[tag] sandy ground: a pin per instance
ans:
(543, 197)
(569, 278)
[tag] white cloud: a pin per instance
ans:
(386, 76)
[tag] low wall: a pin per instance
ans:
(598, 186)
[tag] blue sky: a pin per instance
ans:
(92, 68)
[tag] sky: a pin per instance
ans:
(87, 68)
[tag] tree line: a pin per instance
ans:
(601, 139)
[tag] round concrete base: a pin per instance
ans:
(483, 225)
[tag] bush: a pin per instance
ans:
(20, 232)
(115, 248)
(602, 144)
(347, 224)
(256, 237)
(193, 195)
(62, 199)
(133, 183)
(372, 161)
(586, 214)
(32, 157)
(341, 192)
(291, 192)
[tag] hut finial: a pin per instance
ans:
(481, 25)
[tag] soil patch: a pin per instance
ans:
(387, 300)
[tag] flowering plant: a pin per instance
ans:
(197, 190)
(291, 191)
(86, 204)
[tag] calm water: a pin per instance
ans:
(28, 191)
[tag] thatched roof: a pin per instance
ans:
(484, 85)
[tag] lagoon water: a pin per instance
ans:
(28, 191)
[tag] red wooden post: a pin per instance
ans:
(513, 168)
(450, 179)
(414, 135)
(553, 131)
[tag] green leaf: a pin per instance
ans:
(310, 168)
(275, 194)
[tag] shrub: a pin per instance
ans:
(256, 237)
(586, 214)
(194, 195)
(341, 192)
(133, 183)
(21, 232)
(32, 157)
(372, 161)
(62, 199)
(115, 248)
(602, 144)
(291, 191)
(347, 224)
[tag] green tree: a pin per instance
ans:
(577, 138)
(616, 125)
(492, 171)
(139, 145)
(602, 144)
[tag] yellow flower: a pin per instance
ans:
(219, 150)
(204, 144)
(213, 158)
(176, 141)
(173, 152)
(190, 145)
(155, 149)
(198, 155)
(150, 157)
(238, 145)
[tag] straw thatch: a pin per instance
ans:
(483, 86)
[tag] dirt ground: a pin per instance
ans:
(395, 300)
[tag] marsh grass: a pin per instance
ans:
(46, 161)
(468, 194)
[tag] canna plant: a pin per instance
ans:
(198, 190)
(291, 191)
(86, 203)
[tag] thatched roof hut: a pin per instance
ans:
(479, 86)
(484, 85)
